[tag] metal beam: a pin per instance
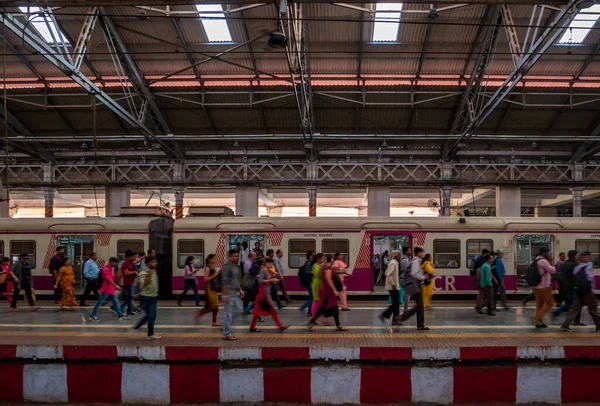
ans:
(40, 45)
(86, 3)
(19, 128)
(537, 48)
(469, 199)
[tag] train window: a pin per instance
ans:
(124, 245)
(23, 247)
(446, 253)
(194, 248)
(593, 246)
(297, 250)
(474, 248)
(330, 247)
(246, 243)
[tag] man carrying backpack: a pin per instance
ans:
(305, 277)
(583, 288)
(565, 279)
(543, 289)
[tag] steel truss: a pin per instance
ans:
(294, 173)
(60, 58)
(533, 48)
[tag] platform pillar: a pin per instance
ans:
(48, 202)
(312, 201)
(4, 202)
(246, 201)
(577, 196)
(179, 194)
(115, 199)
(378, 201)
(508, 201)
(446, 201)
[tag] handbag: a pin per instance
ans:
(337, 282)
(412, 286)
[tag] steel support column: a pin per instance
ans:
(577, 197)
(312, 201)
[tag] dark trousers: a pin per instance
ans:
(128, 295)
(588, 300)
(187, 285)
(484, 299)
(418, 309)
(90, 286)
(500, 290)
(284, 290)
(275, 295)
(569, 299)
(248, 297)
(394, 308)
(26, 287)
(58, 290)
(150, 307)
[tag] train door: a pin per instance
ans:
(78, 248)
(527, 247)
(383, 244)
(246, 243)
(160, 238)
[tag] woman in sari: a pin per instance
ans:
(212, 297)
(66, 279)
(328, 301)
(263, 304)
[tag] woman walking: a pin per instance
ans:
(427, 287)
(317, 281)
(212, 297)
(339, 267)
(189, 281)
(328, 301)
(263, 305)
(66, 279)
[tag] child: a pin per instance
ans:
(66, 279)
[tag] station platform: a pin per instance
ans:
(464, 359)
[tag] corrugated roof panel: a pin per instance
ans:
(442, 66)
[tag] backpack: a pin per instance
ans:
(532, 274)
(255, 268)
(304, 275)
(581, 284)
(216, 283)
(476, 264)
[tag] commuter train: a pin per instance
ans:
(452, 242)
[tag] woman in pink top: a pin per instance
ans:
(543, 291)
(107, 290)
(339, 267)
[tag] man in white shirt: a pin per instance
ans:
(392, 280)
(415, 277)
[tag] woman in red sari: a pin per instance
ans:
(329, 302)
(6, 289)
(263, 303)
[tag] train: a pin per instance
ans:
(453, 243)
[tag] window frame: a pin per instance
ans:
(34, 251)
(289, 253)
(433, 253)
(347, 258)
(586, 240)
(137, 240)
(179, 252)
(479, 253)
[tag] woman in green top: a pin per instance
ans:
(317, 281)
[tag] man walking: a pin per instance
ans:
(129, 276)
(543, 291)
(305, 276)
(107, 290)
(486, 287)
(21, 277)
(148, 283)
(55, 264)
(230, 289)
(280, 270)
(416, 277)
(499, 288)
(392, 280)
(583, 285)
(404, 271)
(90, 275)
(565, 280)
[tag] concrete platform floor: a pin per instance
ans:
(451, 323)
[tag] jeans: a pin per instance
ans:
(150, 307)
(308, 303)
(128, 293)
(231, 310)
(190, 284)
(569, 299)
(26, 286)
(103, 296)
(393, 309)
(90, 286)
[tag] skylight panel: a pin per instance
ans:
(216, 27)
(42, 27)
(581, 25)
(387, 22)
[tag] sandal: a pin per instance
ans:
(230, 338)
(254, 330)
(310, 326)
(340, 328)
(283, 328)
(423, 328)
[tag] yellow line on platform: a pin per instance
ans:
(315, 335)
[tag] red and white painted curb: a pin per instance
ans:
(163, 375)
(176, 353)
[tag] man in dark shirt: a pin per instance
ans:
(56, 263)
(565, 276)
(129, 275)
(21, 276)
